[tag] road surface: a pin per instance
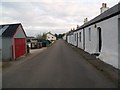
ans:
(59, 66)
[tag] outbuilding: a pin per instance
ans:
(33, 43)
(13, 41)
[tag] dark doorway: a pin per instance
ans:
(77, 39)
(99, 39)
(83, 39)
(119, 41)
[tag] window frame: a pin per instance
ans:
(89, 32)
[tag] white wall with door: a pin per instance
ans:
(109, 50)
(75, 38)
(80, 38)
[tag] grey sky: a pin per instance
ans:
(57, 16)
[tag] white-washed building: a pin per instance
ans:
(70, 37)
(100, 35)
(65, 37)
(50, 37)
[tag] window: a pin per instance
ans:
(89, 34)
(80, 36)
(75, 37)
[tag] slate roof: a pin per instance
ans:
(9, 32)
(70, 32)
(115, 10)
(51, 34)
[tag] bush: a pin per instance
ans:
(45, 43)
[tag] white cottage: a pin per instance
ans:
(51, 37)
(99, 36)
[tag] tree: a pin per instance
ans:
(61, 35)
(56, 35)
(41, 37)
(44, 36)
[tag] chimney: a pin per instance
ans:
(77, 26)
(85, 20)
(73, 29)
(103, 8)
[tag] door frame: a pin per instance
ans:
(77, 38)
(22, 53)
(99, 39)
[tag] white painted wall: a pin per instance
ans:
(0, 48)
(75, 36)
(50, 37)
(109, 51)
(91, 45)
(75, 42)
(70, 39)
(80, 44)
(64, 37)
(19, 33)
(109, 31)
(119, 42)
(6, 49)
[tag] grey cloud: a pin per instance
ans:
(43, 16)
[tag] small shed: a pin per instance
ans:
(13, 41)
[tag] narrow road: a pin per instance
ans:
(59, 66)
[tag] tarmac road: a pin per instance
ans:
(59, 66)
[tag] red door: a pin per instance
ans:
(20, 47)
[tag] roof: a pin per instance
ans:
(50, 33)
(115, 10)
(70, 32)
(8, 30)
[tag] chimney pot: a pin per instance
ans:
(85, 20)
(104, 7)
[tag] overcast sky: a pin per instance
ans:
(57, 16)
